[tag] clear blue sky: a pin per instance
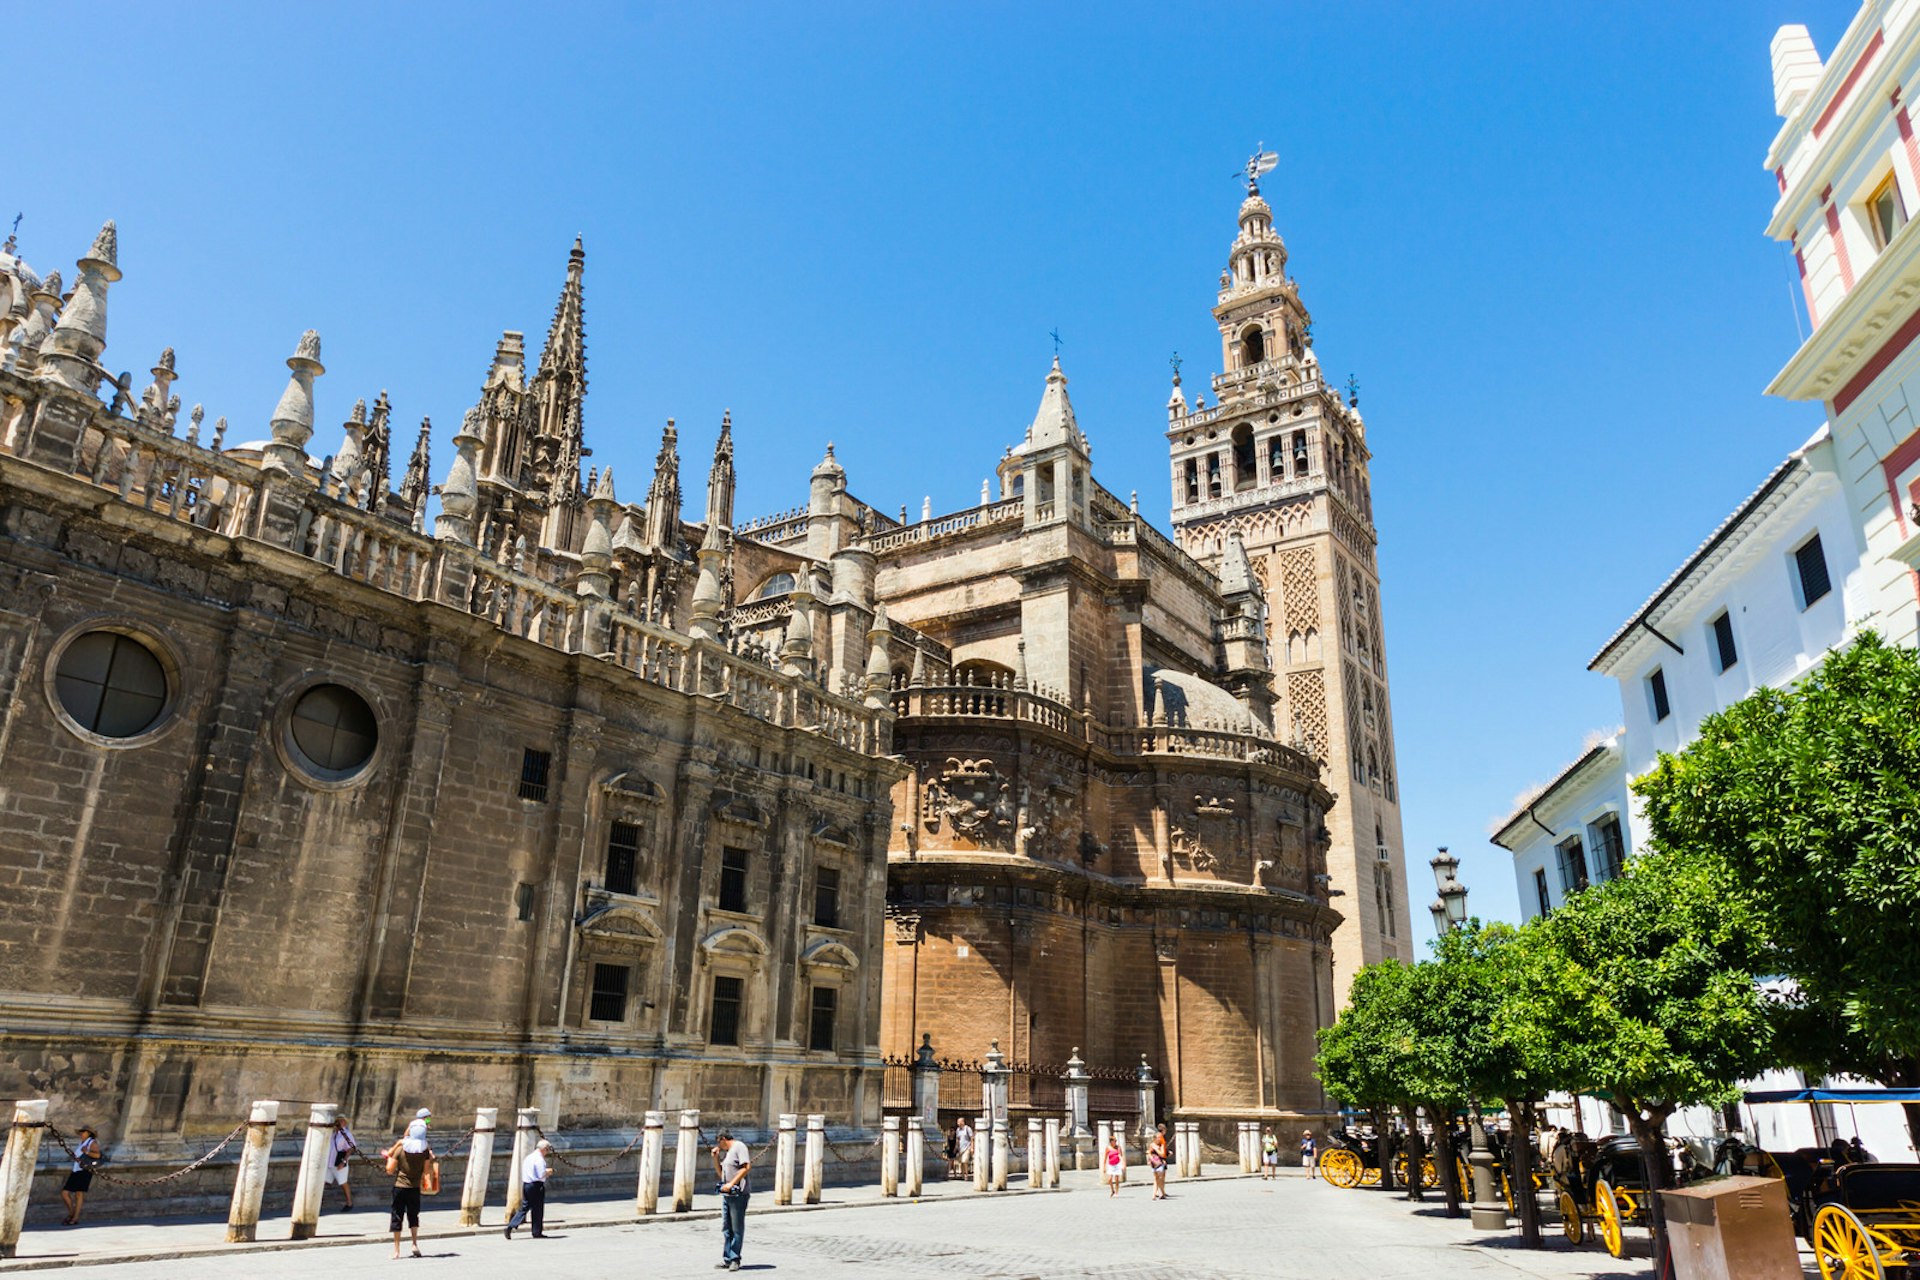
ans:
(1533, 231)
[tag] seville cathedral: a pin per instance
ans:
(488, 786)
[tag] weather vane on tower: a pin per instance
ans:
(1261, 161)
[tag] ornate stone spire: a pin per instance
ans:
(796, 654)
(293, 416)
(720, 477)
(25, 342)
(347, 462)
(703, 619)
(663, 495)
(379, 452)
(460, 493)
(1236, 571)
(153, 401)
(413, 487)
(559, 389)
(71, 353)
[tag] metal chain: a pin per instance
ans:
(592, 1167)
(862, 1149)
(119, 1180)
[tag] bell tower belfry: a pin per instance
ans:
(1278, 464)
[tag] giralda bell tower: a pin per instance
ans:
(1280, 461)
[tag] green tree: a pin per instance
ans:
(1521, 1060)
(1360, 1062)
(1812, 794)
(1647, 985)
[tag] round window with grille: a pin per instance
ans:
(333, 730)
(111, 684)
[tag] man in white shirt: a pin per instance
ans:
(533, 1191)
(963, 1147)
(340, 1165)
(732, 1162)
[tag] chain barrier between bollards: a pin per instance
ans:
(860, 1150)
(592, 1167)
(122, 1181)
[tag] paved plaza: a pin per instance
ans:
(1226, 1228)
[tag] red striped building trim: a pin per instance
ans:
(1846, 86)
(1839, 247)
(1877, 363)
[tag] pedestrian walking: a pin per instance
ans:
(963, 1146)
(411, 1163)
(952, 1150)
(534, 1172)
(340, 1168)
(1309, 1153)
(732, 1162)
(1157, 1161)
(1269, 1155)
(86, 1154)
(1114, 1164)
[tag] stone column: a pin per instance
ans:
(890, 1156)
(646, 1199)
(783, 1161)
(473, 1188)
(993, 1084)
(16, 1170)
(1052, 1132)
(1036, 1170)
(983, 1153)
(243, 1216)
(524, 1137)
(1078, 1081)
(1250, 1147)
(925, 1074)
(684, 1155)
(815, 1176)
(1145, 1086)
(1002, 1152)
(1196, 1148)
(916, 1155)
(1102, 1131)
(314, 1157)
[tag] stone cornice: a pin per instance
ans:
(1879, 302)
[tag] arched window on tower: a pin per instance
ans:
(1245, 468)
(1253, 346)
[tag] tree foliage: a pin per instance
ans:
(1812, 795)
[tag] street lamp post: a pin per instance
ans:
(1449, 913)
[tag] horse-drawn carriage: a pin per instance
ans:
(1870, 1223)
(1602, 1183)
(1353, 1160)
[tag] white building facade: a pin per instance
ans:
(1847, 165)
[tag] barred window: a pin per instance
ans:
(723, 1024)
(534, 766)
(609, 1003)
(733, 880)
(820, 1018)
(623, 857)
(826, 897)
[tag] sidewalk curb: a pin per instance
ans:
(458, 1233)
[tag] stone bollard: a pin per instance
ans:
(783, 1161)
(683, 1159)
(815, 1176)
(916, 1155)
(1036, 1163)
(983, 1154)
(16, 1169)
(473, 1188)
(1120, 1133)
(526, 1127)
(250, 1183)
(1051, 1138)
(890, 1156)
(1252, 1162)
(1102, 1130)
(1002, 1153)
(1196, 1148)
(653, 1141)
(314, 1158)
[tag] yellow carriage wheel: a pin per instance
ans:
(1370, 1177)
(1465, 1176)
(1843, 1246)
(1341, 1168)
(1607, 1210)
(1570, 1219)
(1506, 1189)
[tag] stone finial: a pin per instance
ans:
(459, 494)
(195, 417)
(986, 492)
(703, 619)
(596, 550)
(153, 401)
(926, 508)
(1020, 665)
(293, 417)
(413, 486)
(71, 353)
(359, 414)
(919, 673)
(219, 434)
(879, 660)
(122, 393)
(796, 652)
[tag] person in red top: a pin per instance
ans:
(1157, 1161)
(1113, 1163)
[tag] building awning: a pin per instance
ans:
(1835, 1095)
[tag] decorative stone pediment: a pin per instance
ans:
(620, 926)
(825, 953)
(732, 806)
(734, 942)
(628, 785)
(833, 833)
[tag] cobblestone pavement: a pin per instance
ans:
(1229, 1229)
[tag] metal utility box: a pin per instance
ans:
(1732, 1229)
